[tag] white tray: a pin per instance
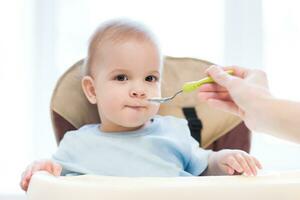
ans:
(267, 185)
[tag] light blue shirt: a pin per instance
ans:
(164, 147)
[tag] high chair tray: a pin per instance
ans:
(269, 185)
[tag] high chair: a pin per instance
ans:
(213, 129)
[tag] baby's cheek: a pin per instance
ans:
(108, 103)
(155, 92)
(154, 109)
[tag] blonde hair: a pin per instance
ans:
(117, 31)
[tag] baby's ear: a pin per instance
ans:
(87, 84)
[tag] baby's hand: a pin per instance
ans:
(42, 165)
(229, 161)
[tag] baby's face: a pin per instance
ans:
(128, 74)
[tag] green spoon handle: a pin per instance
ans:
(193, 85)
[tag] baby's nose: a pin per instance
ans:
(138, 93)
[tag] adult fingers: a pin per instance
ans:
(220, 76)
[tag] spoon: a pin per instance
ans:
(187, 87)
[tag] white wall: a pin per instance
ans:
(281, 47)
(16, 92)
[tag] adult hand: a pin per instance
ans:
(239, 94)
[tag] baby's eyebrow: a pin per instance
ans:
(154, 71)
(119, 70)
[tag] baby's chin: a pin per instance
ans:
(133, 119)
(133, 122)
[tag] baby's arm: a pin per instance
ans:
(226, 162)
(41, 165)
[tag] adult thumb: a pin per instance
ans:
(219, 76)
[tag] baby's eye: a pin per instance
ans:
(121, 77)
(151, 78)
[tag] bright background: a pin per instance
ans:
(40, 39)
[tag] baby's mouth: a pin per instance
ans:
(136, 107)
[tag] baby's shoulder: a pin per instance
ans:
(84, 131)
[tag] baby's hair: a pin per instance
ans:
(116, 31)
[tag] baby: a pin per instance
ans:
(123, 69)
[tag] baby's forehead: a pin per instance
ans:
(127, 54)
